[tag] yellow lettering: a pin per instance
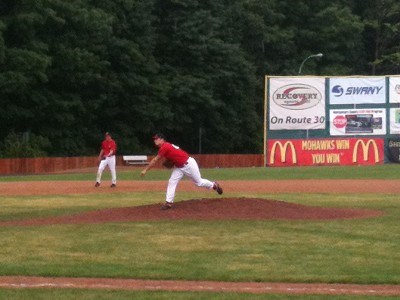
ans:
(318, 159)
(343, 144)
(312, 145)
(333, 158)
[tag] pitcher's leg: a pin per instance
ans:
(102, 166)
(173, 181)
(192, 170)
(111, 165)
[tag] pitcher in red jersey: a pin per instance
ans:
(183, 165)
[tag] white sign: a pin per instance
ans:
(395, 120)
(357, 90)
(369, 121)
(394, 90)
(296, 103)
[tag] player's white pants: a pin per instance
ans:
(191, 169)
(110, 162)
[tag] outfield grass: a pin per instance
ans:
(342, 251)
(387, 171)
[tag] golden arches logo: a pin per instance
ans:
(283, 151)
(365, 149)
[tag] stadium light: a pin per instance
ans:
(307, 58)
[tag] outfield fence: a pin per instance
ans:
(42, 165)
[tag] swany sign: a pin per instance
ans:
(360, 90)
(311, 152)
(296, 103)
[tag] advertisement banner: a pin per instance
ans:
(395, 120)
(324, 152)
(394, 150)
(394, 90)
(357, 90)
(357, 121)
(297, 103)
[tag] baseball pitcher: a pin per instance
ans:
(183, 164)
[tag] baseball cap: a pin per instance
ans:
(158, 136)
(107, 133)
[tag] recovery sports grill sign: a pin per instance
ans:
(297, 104)
(297, 96)
(324, 152)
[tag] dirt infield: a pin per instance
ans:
(237, 186)
(201, 209)
(205, 209)
(239, 208)
(199, 286)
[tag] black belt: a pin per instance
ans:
(181, 166)
(104, 157)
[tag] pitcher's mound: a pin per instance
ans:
(206, 209)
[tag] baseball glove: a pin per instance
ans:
(168, 164)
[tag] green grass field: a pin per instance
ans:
(360, 251)
(388, 171)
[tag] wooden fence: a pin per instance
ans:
(42, 165)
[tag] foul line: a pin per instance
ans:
(19, 282)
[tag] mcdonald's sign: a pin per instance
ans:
(325, 152)
(365, 146)
(283, 148)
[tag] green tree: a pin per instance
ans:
(79, 73)
(327, 27)
(342, 43)
(70, 70)
(209, 80)
(23, 71)
(134, 88)
(24, 145)
(54, 70)
(381, 35)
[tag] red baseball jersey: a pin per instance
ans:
(173, 153)
(107, 146)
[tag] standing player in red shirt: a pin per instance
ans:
(183, 165)
(107, 158)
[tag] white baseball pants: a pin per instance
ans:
(191, 169)
(110, 162)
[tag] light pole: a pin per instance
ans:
(307, 58)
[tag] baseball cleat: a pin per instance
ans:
(97, 184)
(166, 206)
(113, 185)
(218, 188)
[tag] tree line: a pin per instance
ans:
(192, 69)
